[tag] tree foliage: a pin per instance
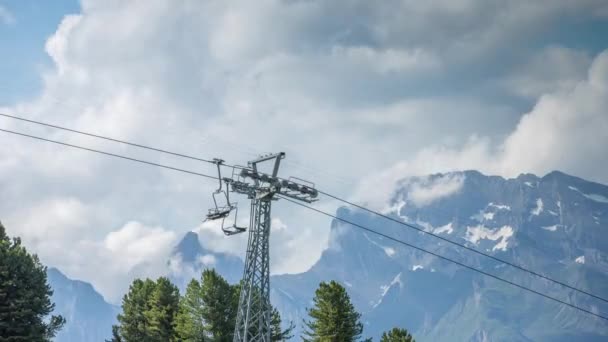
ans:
(25, 295)
(333, 317)
(397, 335)
(208, 311)
(149, 311)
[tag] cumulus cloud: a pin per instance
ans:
(566, 130)
(345, 88)
(428, 191)
(62, 232)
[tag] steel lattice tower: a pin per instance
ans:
(254, 310)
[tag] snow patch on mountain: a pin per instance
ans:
(389, 251)
(385, 288)
(417, 267)
(483, 216)
(580, 260)
(597, 198)
(499, 206)
(550, 228)
(476, 233)
(539, 207)
(444, 229)
(594, 197)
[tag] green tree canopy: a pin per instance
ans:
(149, 311)
(208, 311)
(333, 317)
(25, 295)
(397, 335)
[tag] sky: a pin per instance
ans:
(358, 94)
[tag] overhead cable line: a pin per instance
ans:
(405, 224)
(106, 138)
(324, 213)
(356, 225)
(411, 226)
(109, 154)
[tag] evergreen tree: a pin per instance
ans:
(163, 307)
(333, 317)
(189, 320)
(218, 310)
(133, 324)
(397, 335)
(149, 311)
(25, 295)
(115, 335)
(208, 310)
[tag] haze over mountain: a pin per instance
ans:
(554, 224)
(89, 317)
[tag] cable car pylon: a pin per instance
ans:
(254, 309)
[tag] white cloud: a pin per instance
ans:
(430, 190)
(343, 97)
(566, 130)
(64, 234)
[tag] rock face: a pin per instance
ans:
(556, 225)
(88, 316)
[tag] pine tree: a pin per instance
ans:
(115, 335)
(149, 311)
(133, 324)
(189, 320)
(218, 311)
(208, 310)
(25, 295)
(333, 317)
(397, 335)
(163, 307)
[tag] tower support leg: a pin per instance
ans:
(254, 310)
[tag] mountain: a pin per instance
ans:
(88, 316)
(556, 225)
(189, 258)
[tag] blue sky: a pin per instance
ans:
(22, 46)
(358, 94)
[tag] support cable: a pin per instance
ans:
(411, 226)
(106, 138)
(405, 224)
(110, 154)
(447, 259)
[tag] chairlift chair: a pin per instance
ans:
(223, 211)
(232, 229)
(219, 212)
